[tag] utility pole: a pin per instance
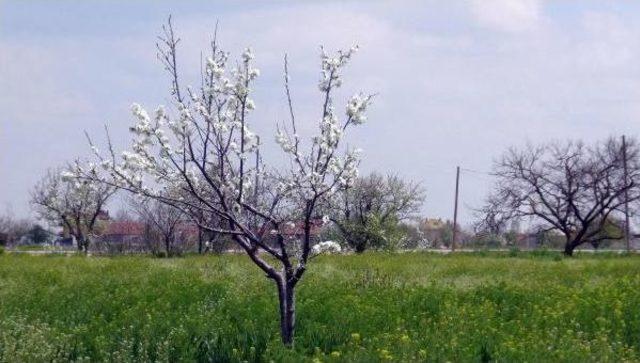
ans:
(626, 194)
(455, 211)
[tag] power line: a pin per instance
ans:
(479, 172)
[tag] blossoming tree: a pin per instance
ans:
(206, 149)
(73, 204)
(368, 213)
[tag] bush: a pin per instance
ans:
(486, 240)
(375, 233)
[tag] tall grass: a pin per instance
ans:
(373, 307)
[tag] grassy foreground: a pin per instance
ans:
(374, 307)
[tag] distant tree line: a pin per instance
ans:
(566, 194)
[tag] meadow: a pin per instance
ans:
(355, 308)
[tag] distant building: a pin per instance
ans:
(134, 236)
(101, 219)
(434, 223)
(296, 230)
(123, 232)
(438, 232)
(65, 241)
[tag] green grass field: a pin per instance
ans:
(374, 307)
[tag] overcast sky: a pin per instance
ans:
(458, 81)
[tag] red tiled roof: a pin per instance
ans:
(129, 228)
(133, 228)
(188, 228)
(297, 228)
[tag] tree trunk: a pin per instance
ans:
(569, 246)
(286, 297)
(167, 245)
(572, 242)
(360, 244)
(199, 241)
(568, 250)
(80, 241)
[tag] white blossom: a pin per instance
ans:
(205, 148)
(356, 108)
(326, 247)
(247, 55)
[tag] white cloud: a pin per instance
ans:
(610, 41)
(507, 15)
(31, 76)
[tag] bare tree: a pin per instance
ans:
(163, 219)
(11, 229)
(205, 148)
(362, 211)
(198, 214)
(71, 203)
(200, 219)
(568, 187)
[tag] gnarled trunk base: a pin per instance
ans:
(568, 251)
(569, 247)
